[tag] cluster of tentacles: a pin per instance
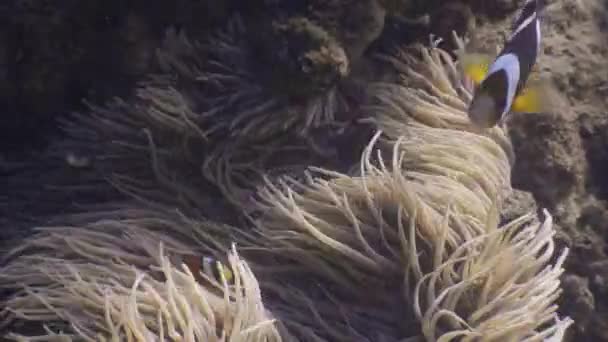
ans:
(408, 244)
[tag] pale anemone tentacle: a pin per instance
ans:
(423, 208)
(114, 280)
(418, 226)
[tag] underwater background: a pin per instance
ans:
(103, 105)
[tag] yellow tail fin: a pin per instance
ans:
(536, 97)
(475, 66)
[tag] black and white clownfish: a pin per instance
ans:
(209, 266)
(502, 86)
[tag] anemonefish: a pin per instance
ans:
(500, 86)
(209, 266)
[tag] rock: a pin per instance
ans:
(549, 156)
(497, 9)
(301, 51)
(577, 301)
(587, 239)
(453, 16)
(594, 135)
(354, 23)
(517, 204)
(599, 285)
(598, 273)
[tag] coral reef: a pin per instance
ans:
(355, 24)
(424, 214)
(286, 82)
(560, 155)
(417, 226)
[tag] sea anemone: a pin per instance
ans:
(499, 285)
(329, 255)
(428, 216)
(238, 93)
(172, 132)
(113, 279)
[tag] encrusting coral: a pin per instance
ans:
(334, 254)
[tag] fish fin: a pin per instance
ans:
(475, 66)
(225, 272)
(536, 97)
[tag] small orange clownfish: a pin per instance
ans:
(501, 85)
(207, 265)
